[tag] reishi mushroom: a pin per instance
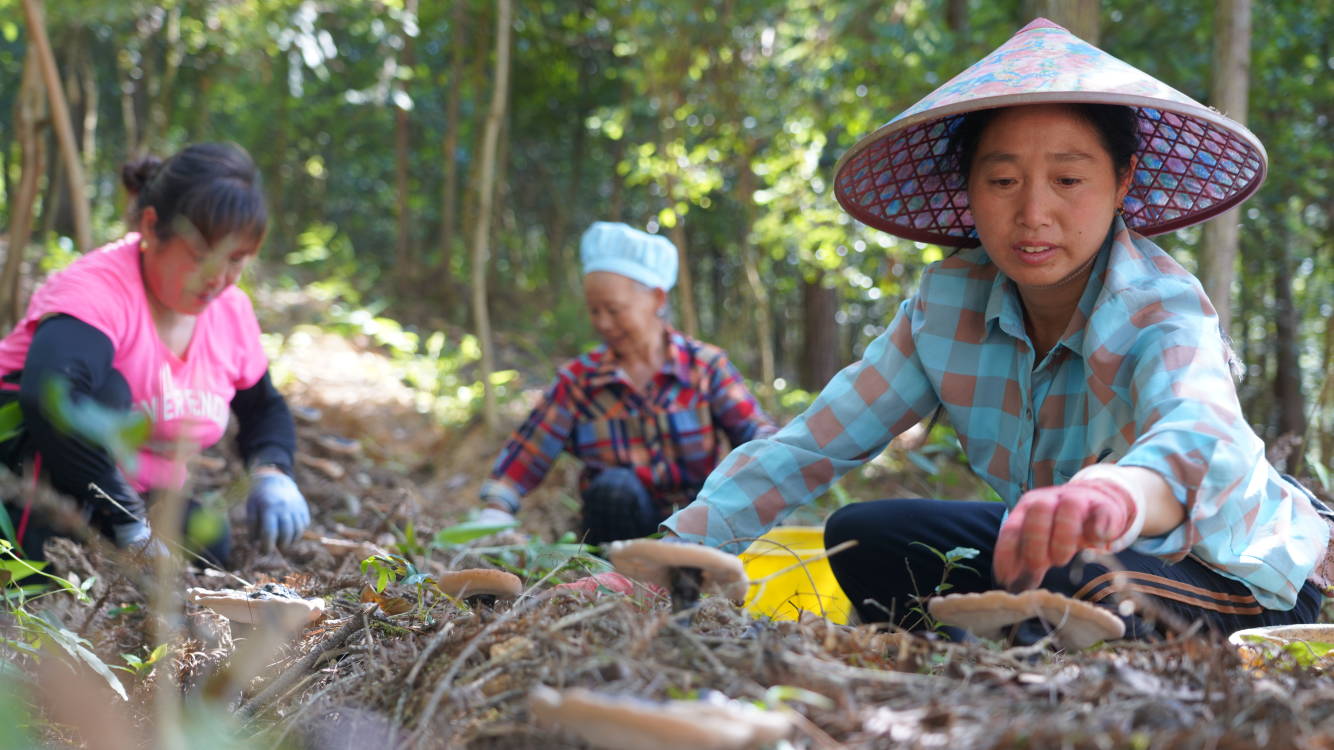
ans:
(480, 582)
(628, 723)
(268, 604)
(1075, 624)
(683, 568)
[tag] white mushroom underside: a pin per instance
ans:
(623, 723)
(652, 560)
(238, 606)
(1075, 624)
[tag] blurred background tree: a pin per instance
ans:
(715, 123)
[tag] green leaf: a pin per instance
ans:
(20, 569)
(77, 648)
(119, 432)
(468, 531)
(11, 421)
(1307, 653)
(961, 553)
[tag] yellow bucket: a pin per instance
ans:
(809, 586)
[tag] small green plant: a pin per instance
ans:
(140, 667)
(391, 568)
(951, 561)
(408, 545)
(536, 559)
(11, 420)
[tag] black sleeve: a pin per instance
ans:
(66, 347)
(266, 434)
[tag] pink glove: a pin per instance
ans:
(610, 581)
(1050, 524)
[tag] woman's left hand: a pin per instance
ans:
(1050, 524)
(276, 509)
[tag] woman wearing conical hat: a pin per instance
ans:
(1082, 368)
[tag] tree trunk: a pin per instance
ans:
(280, 170)
(820, 357)
(88, 84)
(764, 332)
(128, 114)
(1228, 93)
(557, 258)
(450, 146)
(52, 201)
(956, 18)
(1324, 408)
(29, 120)
(689, 323)
(476, 73)
(162, 89)
(677, 231)
(1079, 16)
(481, 247)
(69, 150)
(405, 263)
(1288, 395)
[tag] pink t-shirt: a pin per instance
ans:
(187, 399)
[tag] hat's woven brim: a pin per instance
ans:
(1194, 163)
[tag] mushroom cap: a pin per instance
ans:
(628, 723)
(982, 614)
(259, 607)
(480, 582)
(651, 561)
(1075, 624)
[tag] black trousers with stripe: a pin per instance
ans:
(895, 566)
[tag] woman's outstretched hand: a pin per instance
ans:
(1050, 524)
(276, 509)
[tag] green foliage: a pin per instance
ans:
(952, 561)
(119, 432)
(722, 122)
(38, 635)
(142, 666)
(11, 421)
(536, 559)
(468, 531)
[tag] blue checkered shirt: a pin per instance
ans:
(1139, 378)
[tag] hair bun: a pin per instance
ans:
(137, 174)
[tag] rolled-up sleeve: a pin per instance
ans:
(1242, 518)
(852, 420)
(533, 448)
(734, 407)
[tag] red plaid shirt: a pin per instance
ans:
(669, 433)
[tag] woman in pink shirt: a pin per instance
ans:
(154, 322)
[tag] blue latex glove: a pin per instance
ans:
(276, 509)
(137, 537)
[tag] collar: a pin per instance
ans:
(607, 369)
(1005, 309)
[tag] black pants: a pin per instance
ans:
(204, 533)
(894, 568)
(618, 506)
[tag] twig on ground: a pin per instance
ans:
(280, 683)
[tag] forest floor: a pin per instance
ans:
(439, 672)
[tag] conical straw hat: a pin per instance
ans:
(1194, 162)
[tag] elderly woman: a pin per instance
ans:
(1081, 366)
(645, 411)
